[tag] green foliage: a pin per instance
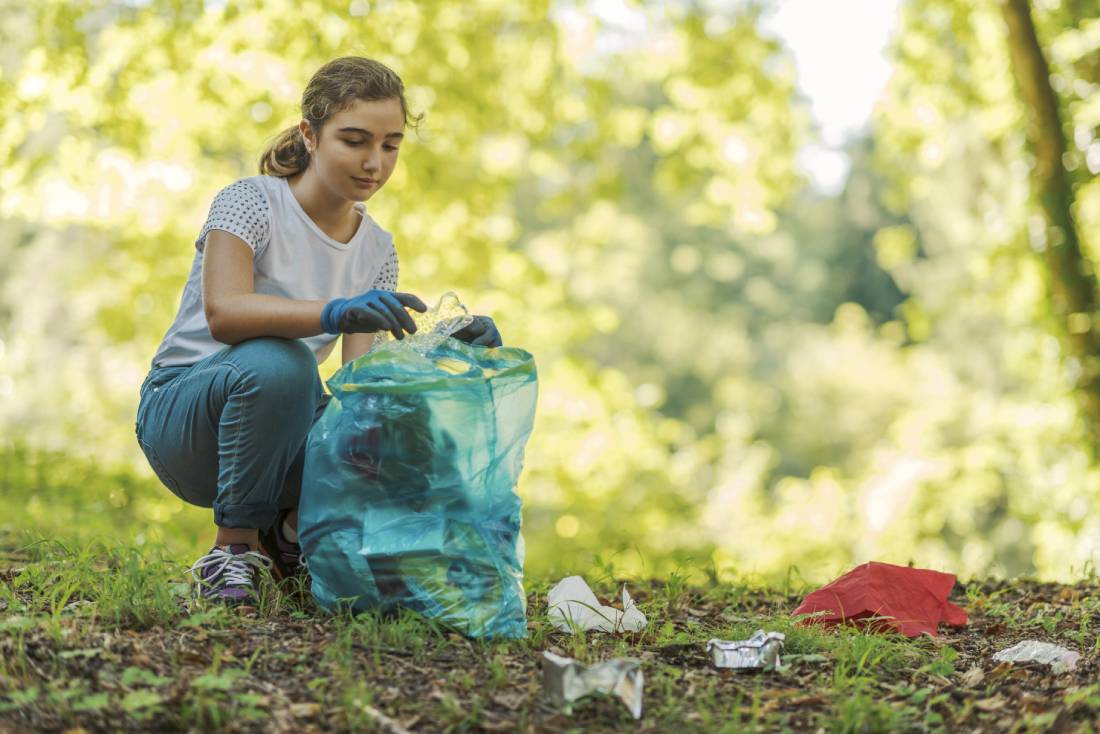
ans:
(737, 374)
(1008, 478)
(120, 583)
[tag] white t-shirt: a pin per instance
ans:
(292, 258)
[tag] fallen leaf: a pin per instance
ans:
(509, 700)
(193, 656)
(990, 704)
(973, 677)
(1034, 704)
(1069, 595)
(141, 660)
(496, 725)
(305, 710)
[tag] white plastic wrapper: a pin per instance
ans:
(434, 325)
(565, 680)
(1059, 659)
(573, 606)
(759, 651)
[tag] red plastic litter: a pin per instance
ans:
(909, 600)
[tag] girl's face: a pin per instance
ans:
(358, 148)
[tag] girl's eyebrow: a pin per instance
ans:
(368, 133)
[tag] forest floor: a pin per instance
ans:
(101, 638)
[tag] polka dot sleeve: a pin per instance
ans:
(387, 277)
(240, 209)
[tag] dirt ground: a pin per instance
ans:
(298, 670)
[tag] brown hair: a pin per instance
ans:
(333, 88)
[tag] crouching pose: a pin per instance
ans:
(287, 261)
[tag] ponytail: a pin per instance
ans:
(333, 88)
(286, 156)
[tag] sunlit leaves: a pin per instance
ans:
(723, 362)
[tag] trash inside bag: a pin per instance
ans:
(408, 491)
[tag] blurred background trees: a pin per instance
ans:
(739, 373)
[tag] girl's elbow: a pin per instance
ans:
(220, 335)
(219, 329)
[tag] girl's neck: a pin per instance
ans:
(321, 206)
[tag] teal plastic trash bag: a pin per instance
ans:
(408, 492)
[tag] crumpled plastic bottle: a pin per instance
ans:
(1060, 659)
(408, 492)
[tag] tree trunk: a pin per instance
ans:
(1072, 282)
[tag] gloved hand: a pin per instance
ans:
(375, 310)
(481, 332)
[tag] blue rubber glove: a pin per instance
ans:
(481, 332)
(375, 310)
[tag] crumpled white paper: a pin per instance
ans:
(573, 606)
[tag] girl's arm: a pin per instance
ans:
(233, 311)
(354, 346)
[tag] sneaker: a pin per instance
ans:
(286, 556)
(230, 573)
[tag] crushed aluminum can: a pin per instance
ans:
(759, 651)
(565, 680)
(1060, 659)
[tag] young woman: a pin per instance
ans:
(287, 261)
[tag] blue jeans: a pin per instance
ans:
(229, 431)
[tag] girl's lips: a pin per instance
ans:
(364, 183)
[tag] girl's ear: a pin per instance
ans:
(307, 135)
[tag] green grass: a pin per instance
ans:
(96, 633)
(100, 635)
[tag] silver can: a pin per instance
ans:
(759, 651)
(565, 680)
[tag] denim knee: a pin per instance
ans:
(286, 367)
